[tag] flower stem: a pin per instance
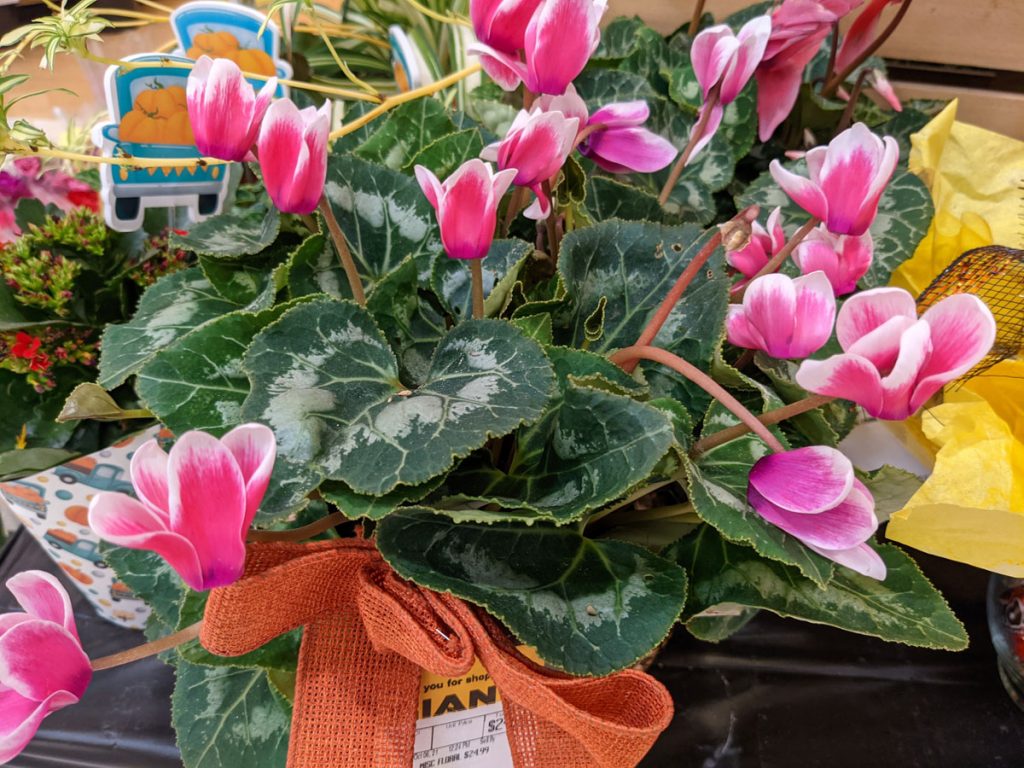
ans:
(742, 219)
(777, 260)
(354, 281)
(698, 11)
(832, 85)
(684, 158)
(477, 273)
(401, 98)
(552, 225)
(833, 51)
(315, 528)
(147, 649)
(721, 437)
(587, 132)
(704, 381)
(846, 119)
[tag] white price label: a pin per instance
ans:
(474, 738)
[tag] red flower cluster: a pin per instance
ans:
(27, 348)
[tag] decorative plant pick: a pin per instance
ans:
(467, 212)
(42, 665)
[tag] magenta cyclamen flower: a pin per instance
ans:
(812, 494)
(42, 665)
(893, 362)
(726, 62)
(536, 146)
(862, 32)
(782, 316)
(617, 141)
(558, 42)
(501, 24)
(223, 108)
(195, 504)
(764, 243)
(467, 206)
(847, 179)
(798, 29)
(843, 258)
(293, 154)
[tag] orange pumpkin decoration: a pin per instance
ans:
(254, 61)
(213, 44)
(142, 127)
(179, 129)
(159, 116)
(157, 102)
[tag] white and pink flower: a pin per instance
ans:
(224, 109)
(764, 243)
(847, 179)
(844, 259)
(466, 205)
(42, 665)
(893, 361)
(782, 316)
(725, 62)
(195, 504)
(293, 154)
(617, 140)
(557, 44)
(812, 494)
(501, 24)
(536, 146)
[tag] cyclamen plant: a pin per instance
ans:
(595, 395)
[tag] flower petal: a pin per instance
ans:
(507, 71)
(864, 312)
(44, 597)
(20, 718)
(846, 525)
(962, 332)
(740, 332)
(208, 505)
(814, 316)
(430, 185)
(255, 449)
(770, 306)
(121, 520)
(845, 376)
(708, 131)
(149, 478)
(620, 115)
(710, 54)
(39, 658)
(558, 43)
(221, 108)
(803, 192)
(882, 345)
(805, 480)
(862, 559)
(626, 150)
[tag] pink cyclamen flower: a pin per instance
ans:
(293, 154)
(764, 244)
(501, 24)
(195, 505)
(617, 140)
(812, 494)
(843, 258)
(798, 29)
(892, 361)
(847, 179)
(881, 84)
(862, 33)
(782, 316)
(536, 145)
(466, 205)
(725, 62)
(42, 665)
(223, 108)
(558, 42)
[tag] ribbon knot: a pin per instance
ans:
(367, 634)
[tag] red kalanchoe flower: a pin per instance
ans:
(25, 346)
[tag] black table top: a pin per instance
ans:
(778, 694)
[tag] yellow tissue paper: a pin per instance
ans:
(971, 509)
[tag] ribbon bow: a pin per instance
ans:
(367, 635)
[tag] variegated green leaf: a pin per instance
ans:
(408, 129)
(232, 235)
(324, 378)
(588, 606)
(905, 608)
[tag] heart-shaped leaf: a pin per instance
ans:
(324, 378)
(589, 606)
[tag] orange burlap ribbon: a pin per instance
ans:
(367, 635)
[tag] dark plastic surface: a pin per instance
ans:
(779, 694)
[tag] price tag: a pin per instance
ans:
(462, 723)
